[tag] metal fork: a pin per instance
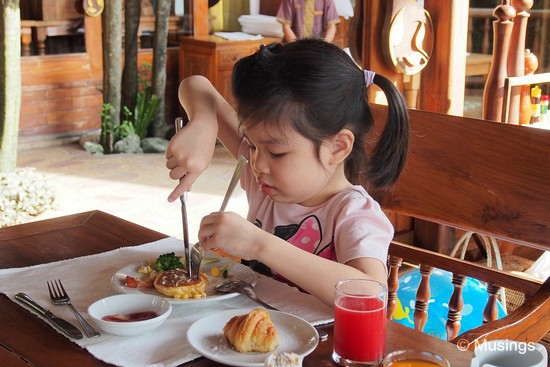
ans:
(60, 297)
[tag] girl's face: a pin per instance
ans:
(287, 167)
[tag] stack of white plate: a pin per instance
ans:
(261, 24)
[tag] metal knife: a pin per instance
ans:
(179, 124)
(64, 326)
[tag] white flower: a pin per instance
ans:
(23, 193)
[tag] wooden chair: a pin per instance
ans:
(480, 176)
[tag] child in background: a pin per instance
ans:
(302, 119)
(308, 19)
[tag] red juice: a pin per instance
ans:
(360, 328)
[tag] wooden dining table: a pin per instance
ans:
(26, 340)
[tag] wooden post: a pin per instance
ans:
(26, 40)
(442, 81)
(442, 90)
(94, 48)
(394, 263)
(516, 59)
(456, 304)
(493, 93)
(490, 312)
(370, 52)
(200, 18)
(423, 297)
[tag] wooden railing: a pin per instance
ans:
(509, 31)
(427, 261)
(39, 30)
(539, 31)
(35, 32)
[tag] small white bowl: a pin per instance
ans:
(125, 304)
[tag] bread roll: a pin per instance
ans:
(175, 283)
(253, 332)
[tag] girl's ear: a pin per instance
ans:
(341, 146)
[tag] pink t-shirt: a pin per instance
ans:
(348, 226)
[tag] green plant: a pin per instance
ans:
(146, 106)
(134, 122)
(147, 103)
(126, 126)
(139, 121)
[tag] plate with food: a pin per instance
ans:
(247, 337)
(167, 277)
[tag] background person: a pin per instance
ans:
(308, 19)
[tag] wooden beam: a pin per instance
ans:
(200, 18)
(94, 48)
(442, 81)
(371, 56)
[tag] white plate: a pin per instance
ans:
(206, 336)
(236, 271)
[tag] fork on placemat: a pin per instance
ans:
(60, 297)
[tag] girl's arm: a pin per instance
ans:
(312, 273)
(316, 275)
(210, 117)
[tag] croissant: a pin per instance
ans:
(253, 332)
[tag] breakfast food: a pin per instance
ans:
(253, 332)
(286, 359)
(168, 276)
(175, 283)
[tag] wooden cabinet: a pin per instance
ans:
(214, 57)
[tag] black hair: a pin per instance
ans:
(317, 88)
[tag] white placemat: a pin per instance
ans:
(88, 278)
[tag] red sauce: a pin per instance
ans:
(136, 316)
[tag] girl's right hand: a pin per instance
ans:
(231, 233)
(188, 155)
(210, 117)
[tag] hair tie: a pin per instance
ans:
(369, 77)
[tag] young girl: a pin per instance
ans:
(302, 120)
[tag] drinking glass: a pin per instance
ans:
(414, 358)
(359, 322)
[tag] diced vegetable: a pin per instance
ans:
(131, 282)
(209, 260)
(221, 271)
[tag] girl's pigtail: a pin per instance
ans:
(388, 158)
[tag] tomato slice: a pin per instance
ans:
(131, 282)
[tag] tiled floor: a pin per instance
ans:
(133, 187)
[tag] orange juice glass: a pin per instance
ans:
(414, 358)
(359, 322)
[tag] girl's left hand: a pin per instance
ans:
(231, 233)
